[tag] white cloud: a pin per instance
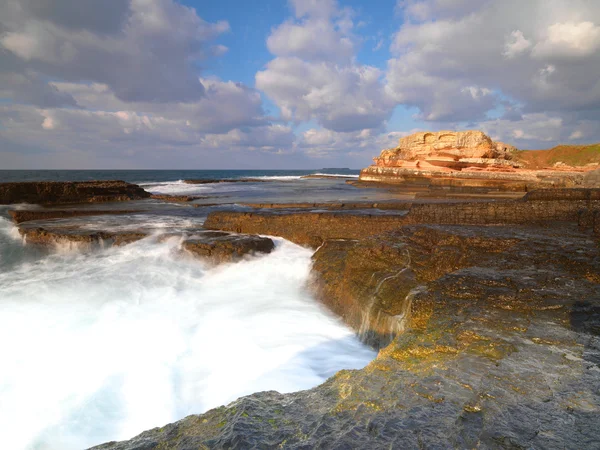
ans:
(149, 58)
(516, 44)
(313, 39)
(364, 144)
(577, 134)
(314, 75)
(568, 40)
(452, 47)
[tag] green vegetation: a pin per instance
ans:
(572, 155)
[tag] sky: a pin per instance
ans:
(287, 84)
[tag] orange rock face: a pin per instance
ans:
(466, 159)
(451, 150)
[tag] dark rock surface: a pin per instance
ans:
(225, 247)
(23, 215)
(313, 229)
(499, 348)
(54, 192)
(304, 228)
(74, 236)
(177, 198)
(332, 206)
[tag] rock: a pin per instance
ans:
(177, 198)
(226, 247)
(592, 179)
(452, 149)
(55, 192)
(367, 282)
(500, 349)
(331, 206)
(470, 159)
(73, 236)
(22, 215)
(502, 148)
(324, 177)
(312, 229)
(303, 228)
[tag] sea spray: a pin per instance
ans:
(102, 345)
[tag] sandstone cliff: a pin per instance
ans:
(472, 159)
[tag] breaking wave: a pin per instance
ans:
(101, 346)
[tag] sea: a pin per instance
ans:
(101, 344)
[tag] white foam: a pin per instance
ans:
(177, 187)
(279, 177)
(103, 345)
(8, 229)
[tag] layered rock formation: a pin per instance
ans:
(465, 159)
(447, 150)
(314, 228)
(54, 192)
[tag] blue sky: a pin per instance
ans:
(287, 83)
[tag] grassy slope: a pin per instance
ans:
(572, 155)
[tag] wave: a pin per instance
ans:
(110, 343)
(277, 177)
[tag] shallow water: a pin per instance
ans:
(103, 345)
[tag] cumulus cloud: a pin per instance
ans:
(314, 75)
(568, 40)
(361, 144)
(100, 82)
(464, 61)
(143, 49)
(516, 44)
(93, 80)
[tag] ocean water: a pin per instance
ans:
(103, 344)
(137, 176)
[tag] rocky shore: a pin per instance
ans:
(486, 316)
(497, 346)
(309, 228)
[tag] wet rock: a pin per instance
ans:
(20, 216)
(75, 236)
(325, 177)
(401, 206)
(303, 228)
(177, 198)
(54, 192)
(221, 247)
(369, 282)
(306, 228)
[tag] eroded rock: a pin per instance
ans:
(466, 159)
(225, 247)
(75, 236)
